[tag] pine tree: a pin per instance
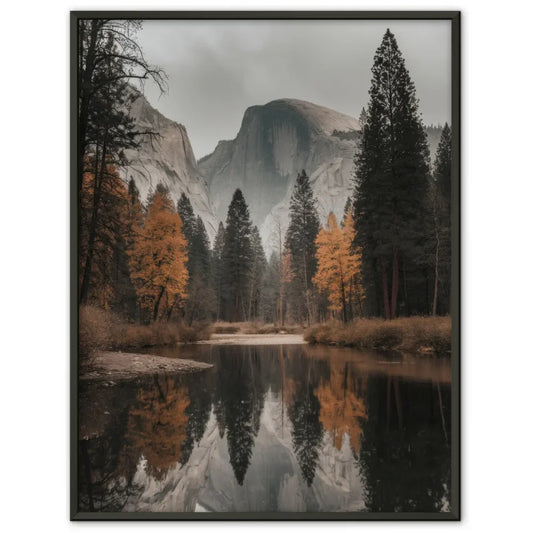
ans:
(441, 203)
(443, 165)
(200, 304)
(300, 242)
(217, 267)
(236, 259)
(186, 213)
(392, 182)
(199, 251)
(257, 273)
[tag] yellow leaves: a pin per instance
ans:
(339, 266)
(158, 260)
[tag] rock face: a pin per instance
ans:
(274, 143)
(167, 158)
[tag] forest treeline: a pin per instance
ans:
(389, 256)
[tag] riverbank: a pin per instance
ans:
(421, 335)
(259, 339)
(104, 331)
(118, 366)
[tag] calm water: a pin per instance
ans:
(271, 428)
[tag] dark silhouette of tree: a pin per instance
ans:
(186, 213)
(257, 274)
(441, 206)
(198, 411)
(300, 240)
(217, 268)
(392, 181)
(307, 431)
(405, 457)
(238, 403)
(236, 260)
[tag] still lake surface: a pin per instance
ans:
(271, 428)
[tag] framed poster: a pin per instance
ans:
(265, 265)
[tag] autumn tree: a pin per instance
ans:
(108, 60)
(102, 244)
(300, 241)
(392, 180)
(339, 265)
(236, 260)
(158, 260)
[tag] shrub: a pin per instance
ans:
(95, 332)
(101, 330)
(427, 334)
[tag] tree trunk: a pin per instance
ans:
(98, 179)
(308, 303)
(84, 89)
(436, 283)
(385, 283)
(395, 284)
(343, 295)
(157, 302)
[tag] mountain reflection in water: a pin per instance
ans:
(271, 428)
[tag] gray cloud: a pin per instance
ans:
(217, 69)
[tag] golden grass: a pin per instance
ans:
(413, 334)
(101, 330)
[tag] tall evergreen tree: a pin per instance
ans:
(441, 200)
(392, 179)
(257, 274)
(236, 259)
(186, 213)
(443, 165)
(199, 254)
(217, 267)
(303, 229)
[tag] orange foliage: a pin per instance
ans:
(339, 267)
(341, 407)
(108, 229)
(157, 428)
(158, 260)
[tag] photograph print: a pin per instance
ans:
(265, 265)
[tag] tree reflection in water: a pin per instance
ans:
(395, 419)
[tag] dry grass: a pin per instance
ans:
(101, 330)
(94, 332)
(413, 334)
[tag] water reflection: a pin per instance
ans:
(271, 428)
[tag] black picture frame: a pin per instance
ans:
(455, 18)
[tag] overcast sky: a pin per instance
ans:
(217, 69)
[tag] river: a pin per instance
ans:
(271, 428)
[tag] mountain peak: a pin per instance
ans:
(320, 118)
